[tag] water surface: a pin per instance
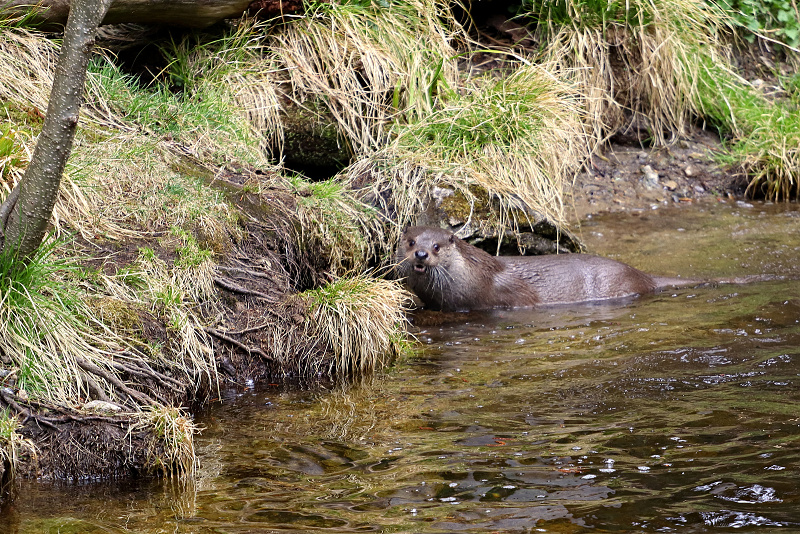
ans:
(676, 412)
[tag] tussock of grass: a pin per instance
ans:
(27, 64)
(765, 135)
(518, 139)
(336, 225)
(172, 292)
(145, 194)
(171, 449)
(637, 61)
(369, 61)
(145, 197)
(360, 319)
(43, 328)
(12, 446)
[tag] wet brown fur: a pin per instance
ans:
(449, 274)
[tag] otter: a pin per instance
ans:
(449, 274)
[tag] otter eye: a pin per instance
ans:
(410, 242)
(436, 247)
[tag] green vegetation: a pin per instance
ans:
(12, 156)
(171, 449)
(778, 19)
(335, 222)
(765, 135)
(517, 139)
(41, 326)
(12, 446)
(382, 59)
(184, 166)
(663, 64)
(633, 62)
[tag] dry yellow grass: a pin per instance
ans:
(518, 139)
(369, 64)
(636, 63)
(360, 319)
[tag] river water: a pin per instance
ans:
(676, 412)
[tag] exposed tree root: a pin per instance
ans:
(230, 285)
(137, 396)
(247, 349)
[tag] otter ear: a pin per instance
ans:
(405, 228)
(452, 238)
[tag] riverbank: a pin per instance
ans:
(186, 257)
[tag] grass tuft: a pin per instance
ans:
(636, 62)
(765, 135)
(335, 226)
(361, 320)
(171, 449)
(369, 62)
(43, 326)
(517, 138)
(12, 446)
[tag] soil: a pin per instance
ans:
(628, 176)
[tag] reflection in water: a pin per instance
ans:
(674, 412)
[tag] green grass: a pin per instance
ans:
(764, 135)
(514, 140)
(335, 226)
(777, 19)
(12, 445)
(43, 324)
(634, 62)
(12, 154)
(186, 116)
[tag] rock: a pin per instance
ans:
(672, 185)
(699, 189)
(102, 406)
(690, 170)
(650, 177)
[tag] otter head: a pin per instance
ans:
(423, 248)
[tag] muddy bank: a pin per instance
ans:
(274, 314)
(626, 175)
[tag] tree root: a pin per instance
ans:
(51, 422)
(230, 285)
(240, 345)
(147, 372)
(137, 396)
(10, 400)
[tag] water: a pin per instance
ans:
(671, 413)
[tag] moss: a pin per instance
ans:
(118, 315)
(457, 207)
(482, 214)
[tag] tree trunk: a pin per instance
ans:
(186, 13)
(28, 209)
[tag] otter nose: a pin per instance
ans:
(421, 254)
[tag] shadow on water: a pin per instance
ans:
(671, 413)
